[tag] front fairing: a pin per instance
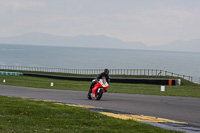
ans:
(102, 83)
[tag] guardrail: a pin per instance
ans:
(155, 81)
(148, 72)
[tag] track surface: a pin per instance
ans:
(182, 109)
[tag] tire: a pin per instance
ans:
(99, 94)
(89, 95)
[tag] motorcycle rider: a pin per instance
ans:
(100, 76)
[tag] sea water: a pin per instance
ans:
(186, 63)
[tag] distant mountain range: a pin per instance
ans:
(180, 45)
(96, 41)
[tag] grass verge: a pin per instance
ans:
(23, 115)
(187, 89)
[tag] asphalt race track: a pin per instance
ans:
(183, 109)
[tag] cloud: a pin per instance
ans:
(22, 4)
(152, 22)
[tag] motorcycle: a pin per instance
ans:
(100, 87)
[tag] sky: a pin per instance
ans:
(153, 22)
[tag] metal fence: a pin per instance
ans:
(148, 72)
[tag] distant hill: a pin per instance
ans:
(97, 41)
(180, 45)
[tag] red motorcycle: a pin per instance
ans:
(99, 88)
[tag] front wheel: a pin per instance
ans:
(99, 93)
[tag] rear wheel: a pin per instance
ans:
(89, 94)
(99, 93)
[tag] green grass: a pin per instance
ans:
(27, 116)
(187, 89)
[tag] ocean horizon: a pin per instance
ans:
(185, 63)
